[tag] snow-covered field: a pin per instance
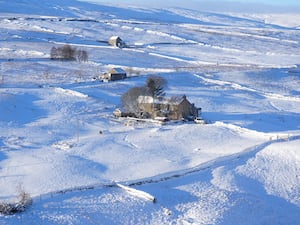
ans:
(60, 143)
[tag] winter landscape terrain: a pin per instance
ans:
(60, 143)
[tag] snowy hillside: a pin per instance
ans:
(60, 143)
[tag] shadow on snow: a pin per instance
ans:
(262, 122)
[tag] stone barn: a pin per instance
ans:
(114, 74)
(116, 41)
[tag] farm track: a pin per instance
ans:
(237, 86)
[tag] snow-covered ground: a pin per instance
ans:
(61, 144)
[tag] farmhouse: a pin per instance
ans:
(114, 74)
(116, 41)
(172, 108)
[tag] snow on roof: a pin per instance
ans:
(145, 99)
(114, 37)
(174, 100)
(117, 70)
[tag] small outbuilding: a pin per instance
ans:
(116, 41)
(114, 74)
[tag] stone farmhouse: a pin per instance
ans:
(172, 108)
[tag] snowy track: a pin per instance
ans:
(239, 87)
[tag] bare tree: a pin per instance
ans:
(156, 85)
(68, 52)
(81, 56)
(53, 53)
(23, 202)
(130, 99)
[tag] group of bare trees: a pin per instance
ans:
(67, 52)
(23, 202)
(154, 88)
